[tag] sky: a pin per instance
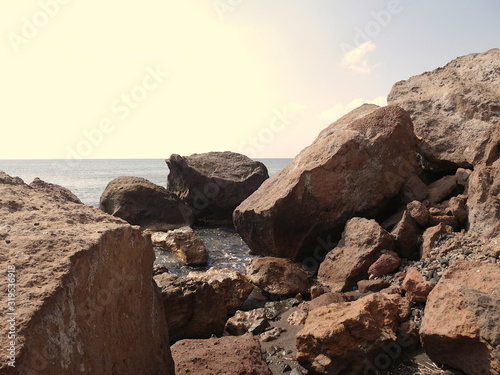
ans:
(96, 80)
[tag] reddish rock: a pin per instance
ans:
(193, 309)
(277, 275)
(406, 236)
(297, 318)
(140, 202)
(416, 288)
(442, 188)
(430, 236)
(345, 337)
(215, 183)
(461, 325)
(414, 189)
(183, 242)
(361, 244)
(316, 291)
(326, 184)
(447, 220)
(408, 335)
(456, 207)
(85, 300)
(387, 263)
(323, 300)
(452, 107)
(418, 212)
(372, 286)
(228, 355)
(55, 191)
(243, 321)
(393, 290)
(232, 286)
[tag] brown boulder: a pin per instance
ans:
(361, 244)
(84, 296)
(372, 286)
(55, 191)
(344, 338)
(418, 212)
(140, 202)
(324, 300)
(461, 325)
(452, 107)
(414, 189)
(417, 289)
(229, 355)
(183, 242)
(215, 183)
(277, 275)
(456, 207)
(406, 236)
(192, 307)
(387, 263)
(326, 184)
(442, 188)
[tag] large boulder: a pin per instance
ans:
(360, 246)
(215, 183)
(452, 107)
(193, 309)
(231, 355)
(461, 325)
(140, 202)
(183, 242)
(347, 337)
(82, 288)
(352, 169)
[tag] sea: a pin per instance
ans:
(87, 179)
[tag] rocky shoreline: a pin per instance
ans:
(379, 252)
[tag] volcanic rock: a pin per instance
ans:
(407, 235)
(183, 242)
(55, 191)
(244, 321)
(417, 289)
(387, 263)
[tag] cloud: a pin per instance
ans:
(338, 110)
(356, 60)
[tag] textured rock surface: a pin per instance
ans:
(372, 286)
(55, 191)
(277, 275)
(245, 321)
(387, 263)
(140, 202)
(222, 356)
(417, 289)
(407, 235)
(430, 236)
(232, 286)
(185, 243)
(361, 244)
(326, 184)
(215, 183)
(461, 326)
(192, 307)
(85, 299)
(452, 107)
(418, 212)
(343, 338)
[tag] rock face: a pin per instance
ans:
(193, 309)
(223, 356)
(461, 326)
(140, 202)
(55, 191)
(277, 275)
(85, 300)
(361, 244)
(344, 338)
(326, 184)
(215, 183)
(232, 286)
(185, 243)
(452, 107)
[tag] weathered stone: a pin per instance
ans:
(228, 355)
(430, 236)
(418, 212)
(183, 242)
(243, 321)
(461, 325)
(316, 291)
(343, 338)
(372, 286)
(414, 189)
(417, 289)
(85, 300)
(193, 309)
(140, 202)
(277, 275)
(452, 107)
(406, 236)
(447, 220)
(272, 334)
(456, 206)
(442, 188)
(55, 191)
(387, 263)
(297, 318)
(215, 183)
(323, 300)
(326, 184)
(361, 244)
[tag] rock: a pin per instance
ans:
(140, 202)
(416, 288)
(418, 212)
(456, 207)
(361, 244)
(323, 300)
(447, 220)
(244, 321)
(429, 238)
(228, 355)
(55, 191)
(215, 183)
(232, 286)
(277, 275)
(462, 175)
(461, 325)
(344, 338)
(408, 335)
(406, 236)
(185, 243)
(297, 318)
(158, 269)
(274, 309)
(272, 334)
(372, 286)
(387, 263)
(452, 107)
(442, 188)
(316, 291)
(414, 189)
(392, 290)
(85, 300)
(484, 188)
(193, 309)
(326, 184)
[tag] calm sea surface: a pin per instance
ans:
(88, 179)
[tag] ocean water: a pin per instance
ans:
(87, 179)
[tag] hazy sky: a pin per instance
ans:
(129, 79)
